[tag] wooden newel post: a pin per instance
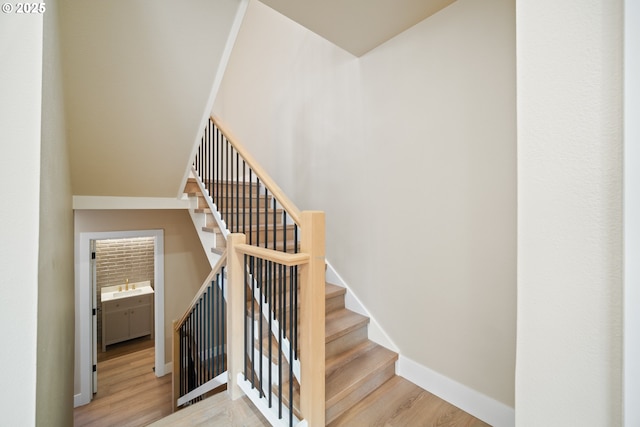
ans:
(312, 318)
(235, 313)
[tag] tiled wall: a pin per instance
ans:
(121, 259)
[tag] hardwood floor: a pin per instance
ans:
(216, 411)
(129, 393)
(400, 403)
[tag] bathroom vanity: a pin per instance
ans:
(127, 312)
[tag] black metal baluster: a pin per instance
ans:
(261, 335)
(210, 322)
(201, 344)
(219, 322)
(187, 346)
(266, 218)
(205, 334)
(216, 327)
(284, 229)
(257, 230)
(187, 365)
(217, 167)
(228, 217)
(292, 342)
(205, 175)
(223, 320)
(281, 336)
(238, 192)
(210, 337)
(201, 341)
(268, 296)
(196, 344)
(253, 323)
(219, 361)
(205, 171)
(212, 157)
(250, 213)
(246, 325)
(192, 343)
(275, 227)
(200, 157)
(294, 275)
(244, 197)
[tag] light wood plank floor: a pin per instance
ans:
(129, 393)
(400, 403)
(216, 411)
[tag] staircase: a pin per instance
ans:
(258, 240)
(355, 366)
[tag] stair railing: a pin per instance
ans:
(267, 234)
(199, 341)
(245, 197)
(257, 363)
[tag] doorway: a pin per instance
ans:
(121, 263)
(86, 305)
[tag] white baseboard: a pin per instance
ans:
(79, 400)
(475, 403)
(168, 368)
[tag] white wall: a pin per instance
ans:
(20, 109)
(411, 152)
(569, 213)
(631, 213)
(54, 394)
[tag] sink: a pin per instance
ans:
(128, 293)
(109, 293)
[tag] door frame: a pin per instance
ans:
(94, 315)
(84, 309)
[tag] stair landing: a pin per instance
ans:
(216, 411)
(399, 402)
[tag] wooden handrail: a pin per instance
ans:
(279, 195)
(278, 257)
(216, 269)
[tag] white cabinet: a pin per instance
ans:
(126, 318)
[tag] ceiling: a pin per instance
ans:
(137, 84)
(358, 26)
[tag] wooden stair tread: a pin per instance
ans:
(341, 322)
(398, 402)
(345, 378)
(334, 362)
(331, 290)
